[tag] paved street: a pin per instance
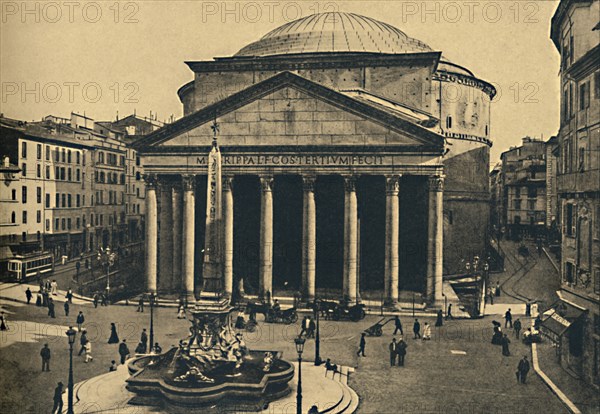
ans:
(458, 368)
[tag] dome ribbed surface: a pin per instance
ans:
(334, 32)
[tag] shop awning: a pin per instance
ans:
(560, 317)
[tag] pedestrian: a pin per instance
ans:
(45, 298)
(393, 352)
(113, 366)
(66, 308)
(3, 322)
(304, 326)
(28, 295)
(80, 320)
(508, 319)
(51, 311)
(123, 351)
(401, 349)
(38, 299)
(140, 307)
(522, 370)
(426, 332)
(361, 345)
(96, 300)
(144, 340)
(69, 295)
(88, 352)
(157, 349)
(54, 287)
(311, 328)
(45, 354)
(181, 312)
(398, 325)
(82, 341)
(505, 342)
(58, 401)
(114, 338)
(449, 312)
(497, 289)
(103, 300)
(489, 295)
(440, 319)
(140, 348)
(417, 329)
(517, 327)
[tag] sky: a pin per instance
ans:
(107, 57)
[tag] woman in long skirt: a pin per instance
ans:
(3, 326)
(114, 338)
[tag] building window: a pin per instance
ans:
(532, 192)
(62, 174)
(68, 224)
(47, 200)
(57, 200)
(83, 159)
(531, 204)
(569, 272)
(64, 155)
(57, 173)
(570, 100)
(24, 169)
(47, 225)
(69, 201)
(69, 174)
(102, 219)
(39, 151)
(23, 150)
(13, 217)
(47, 172)
(581, 161)
(14, 195)
(39, 216)
(38, 172)
(77, 157)
(83, 200)
(64, 224)
(64, 200)
(39, 195)
(517, 204)
(78, 222)
(570, 220)
(24, 194)
(24, 217)
(47, 152)
(57, 155)
(69, 156)
(584, 98)
(78, 174)
(56, 223)
(78, 198)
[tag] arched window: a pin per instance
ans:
(13, 217)
(486, 130)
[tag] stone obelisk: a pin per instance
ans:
(212, 267)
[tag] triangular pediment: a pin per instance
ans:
(288, 110)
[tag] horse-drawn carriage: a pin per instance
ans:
(271, 314)
(338, 311)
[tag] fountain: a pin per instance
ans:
(211, 367)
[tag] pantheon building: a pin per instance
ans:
(354, 162)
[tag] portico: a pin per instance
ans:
(348, 152)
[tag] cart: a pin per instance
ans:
(377, 329)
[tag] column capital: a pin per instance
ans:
(177, 185)
(151, 181)
(392, 184)
(188, 182)
(308, 182)
(227, 182)
(436, 183)
(266, 183)
(350, 183)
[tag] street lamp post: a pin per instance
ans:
(71, 333)
(107, 258)
(318, 360)
(152, 300)
(299, 348)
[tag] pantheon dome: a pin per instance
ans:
(334, 32)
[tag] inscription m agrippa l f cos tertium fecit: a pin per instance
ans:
(299, 160)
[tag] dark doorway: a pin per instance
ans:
(371, 213)
(287, 232)
(200, 226)
(329, 198)
(246, 231)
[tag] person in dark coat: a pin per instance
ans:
(401, 350)
(58, 401)
(144, 340)
(361, 345)
(28, 295)
(440, 318)
(67, 308)
(69, 295)
(522, 370)
(39, 299)
(80, 320)
(103, 300)
(123, 351)
(83, 342)
(417, 329)
(398, 325)
(96, 300)
(140, 307)
(505, 342)
(45, 354)
(449, 312)
(51, 311)
(3, 325)
(141, 348)
(517, 327)
(311, 328)
(114, 338)
(393, 352)
(508, 319)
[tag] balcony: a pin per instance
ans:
(579, 182)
